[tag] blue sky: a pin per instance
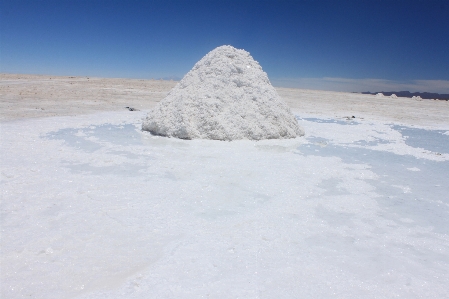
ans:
(335, 45)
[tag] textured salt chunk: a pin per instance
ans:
(226, 96)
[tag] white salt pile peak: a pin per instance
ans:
(226, 96)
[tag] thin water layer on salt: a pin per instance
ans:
(349, 121)
(374, 142)
(432, 140)
(420, 196)
(103, 210)
(90, 138)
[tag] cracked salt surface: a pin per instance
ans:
(92, 207)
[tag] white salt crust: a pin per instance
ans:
(226, 96)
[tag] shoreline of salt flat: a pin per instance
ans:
(32, 96)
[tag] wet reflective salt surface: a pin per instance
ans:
(90, 139)
(347, 121)
(408, 187)
(96, 208)
(432, 140)
(404, 185)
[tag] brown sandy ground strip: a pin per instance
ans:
(343, 104)
(29, 96)
(26, 96)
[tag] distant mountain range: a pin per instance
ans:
(408, 94)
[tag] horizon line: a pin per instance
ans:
(336, 84)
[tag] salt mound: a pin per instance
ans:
(380, 95)
(393, 96)
(226, 96)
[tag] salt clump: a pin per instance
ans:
(380, 95)
(393, 96)
(226, 96)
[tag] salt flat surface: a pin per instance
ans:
(92, 207)
(35, 96)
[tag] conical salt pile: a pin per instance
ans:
(226, 96)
